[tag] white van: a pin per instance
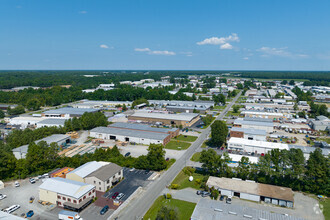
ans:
(12, 208)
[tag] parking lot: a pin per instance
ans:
(132, 180)
(21, 195)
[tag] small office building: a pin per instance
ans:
(59, 139)
(181, 119)
(66, 193)
(253, 191)
(103, 175)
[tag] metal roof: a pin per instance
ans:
(143, 127)
(88, 168)
(104, 173)
(240, 121)
(70, 111)
(50, 139)
(250, 131)
(130, 133)
(208, 209)
(52, 121)
(178, 117)
(66, 187)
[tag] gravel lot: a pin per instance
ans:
(21, 196)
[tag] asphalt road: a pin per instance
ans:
(140, 206)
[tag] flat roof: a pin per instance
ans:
(88, 168)
(240, 121)
(66, 187)
(254, 143)
(250, 131)
(143, 127)
(207, 209)
(50, 139)
(178, 117)
(105, 172)
(130, 133)
(52, 121)
(71, 111)
(261, 113)
(250, 187)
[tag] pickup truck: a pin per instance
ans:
(68, 215)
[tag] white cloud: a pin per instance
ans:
(280, 52)
(104, 46)
(245, 58)
(82, 12)
(222, 41)
(226, 46)
(188, 54)
(142, 49)
(155, 52)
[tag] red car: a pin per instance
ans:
(115, 195)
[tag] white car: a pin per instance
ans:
(131, 170)
(17, 184)
(120, 196)
(32, 180)
(2, 196)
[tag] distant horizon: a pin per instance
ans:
(197, 70)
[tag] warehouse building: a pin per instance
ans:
(66, 112)
(263, 114)
(183, 106)
(183, 119)
(67, 193)
(51, 122)
(59, 139)
(25, 122)
(210, 209)
(142, 127)
(253, 191)
(263, 147)
(100, 104)
(250, 134)
(322, 123)
(255, 123)
(133, 136)
(103, 175)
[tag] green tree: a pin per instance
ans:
(243, 169)
(166, 213)
(2, 114)
(139, 101)
(284, 82)
(16, 111)
(156, 157)
(291, 82)
(33, 104)
(7, 163)
(236, 108)
(219, 132)
(295, 107)
(239, 86)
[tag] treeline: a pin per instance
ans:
(42, 158)
(34, 99)
(87, 121)
(301, 95)
(278, 167)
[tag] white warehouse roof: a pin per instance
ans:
(88, 168)
(262, 144)
(66, 187)
(179, 117)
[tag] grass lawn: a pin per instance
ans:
(183, 208)
(186, 138)
(233, 114)
(204, 145)
(326, 208)
(170, 163)
(219, 107)
(196, 157)
(183, 181)
(177, 145)
(324, 139)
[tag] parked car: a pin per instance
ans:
(228, 200)
(46, 175)
(120, 196)
(31, 199)
(115, 195)
(167, 159)
(17, 184)
(222, 198)
(199, 192)
(205, 194)
(29, 214)
(147, 171)
(127, 154)
(12, 208)
(104, 210)
(32, 180)
(2, 196)
(131, 170)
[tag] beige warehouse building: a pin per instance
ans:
(183, 119)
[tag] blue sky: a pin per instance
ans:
(165, 34)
